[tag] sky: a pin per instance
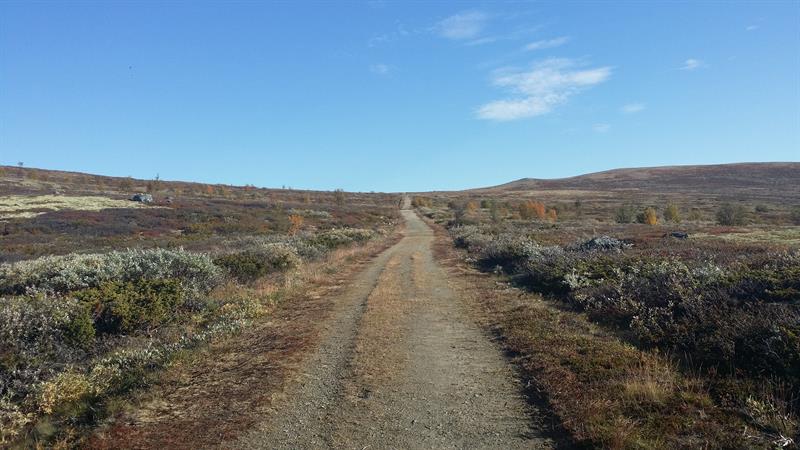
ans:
(395, 96)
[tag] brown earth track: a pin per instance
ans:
(402, 365)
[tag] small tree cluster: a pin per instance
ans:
(295, 223)
(671, 213)
(649, 216)
(339, 197)
(531, 209)
(625, 214)
(731, 215)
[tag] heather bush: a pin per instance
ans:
(60, 274)
(37, 336)
(771, 277)
(743, 317)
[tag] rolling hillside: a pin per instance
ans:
(741, 181)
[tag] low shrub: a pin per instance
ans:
(671, 213)
(625, 214)
(310, 213)
(245, 266)
(602, 244)
(61, 274)
(249, 265)
(338, 237)
(737, 318)
(731, 215)
(37, 336)
(123, 307)
(507, 250)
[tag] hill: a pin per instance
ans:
(740, 181)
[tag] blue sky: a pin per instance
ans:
(395, 96)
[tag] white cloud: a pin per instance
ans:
(751, 28)
(601, 127)
(547, 43)
(545, 86)
(692, 64)
(379, 69)
(464, 25)
(633, 108)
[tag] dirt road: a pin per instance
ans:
(400, 365)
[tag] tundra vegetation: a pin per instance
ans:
(697, 340)
(99, 293)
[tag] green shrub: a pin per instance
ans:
(731, 215)
(625, 214)
(79, 331)
(122, 307)
(245, 266)
(671, 213)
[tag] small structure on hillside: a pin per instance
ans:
(142, 198)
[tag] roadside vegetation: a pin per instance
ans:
(82, 330)
(697, 341)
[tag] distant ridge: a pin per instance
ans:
(708, 179)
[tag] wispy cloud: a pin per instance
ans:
(632, 108)
(540, 89)
(601, 127)
(751, 28)
(379, 69)
(547, 43)
(464, 25)
(692, 64)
